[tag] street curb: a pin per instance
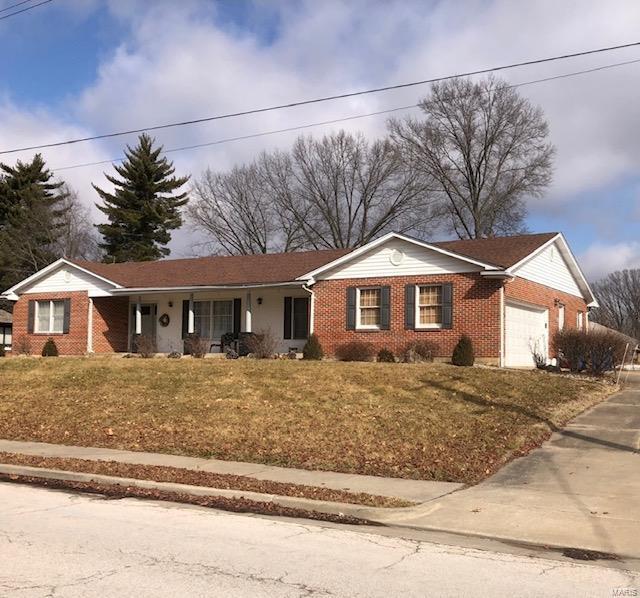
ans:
(374, 514)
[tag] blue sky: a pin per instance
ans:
(79, 67)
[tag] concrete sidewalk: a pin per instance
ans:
(580, 489)
(412, 490)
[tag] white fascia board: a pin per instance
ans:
(501, 274)
(194, 289)
(47, 269)
(381, 240)
(573, 265)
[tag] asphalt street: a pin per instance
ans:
(61, 544)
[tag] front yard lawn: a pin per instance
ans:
(403, 420)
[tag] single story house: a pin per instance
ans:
(6, 322)
(509, 294)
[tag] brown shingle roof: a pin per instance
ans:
(286, 267)
(498, 251)
(214, 270)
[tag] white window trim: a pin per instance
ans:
(580, 320)
(360, 326)
(561, 316)
(419, 326)
(36, 323)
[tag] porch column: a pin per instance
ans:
(247, 313)
(138, 327)
(191, 323)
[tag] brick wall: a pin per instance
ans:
(73, 343)
(110, 324)
(476, 312)
(539, 294)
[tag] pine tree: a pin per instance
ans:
(142, 209)
(32, 208)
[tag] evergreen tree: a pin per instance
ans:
(142, 209)
(32, 208)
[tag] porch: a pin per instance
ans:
(168, 317)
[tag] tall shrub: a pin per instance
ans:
(463, 352)
(50, 349)
(312, 349)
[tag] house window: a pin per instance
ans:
(429, 306)
(580, 320)
(212, 319)
(560, 317)
(369, 308)
(49, 317)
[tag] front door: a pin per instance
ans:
(148, 312)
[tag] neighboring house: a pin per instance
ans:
(6, 320)
(509, 294)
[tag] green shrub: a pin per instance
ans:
(355, 351)
(50, 349)
(312, 349)
(386, 356)
(463, 352)
(419, 351)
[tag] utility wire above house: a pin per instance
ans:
(321, 99)
(17, 12)
(346, 118)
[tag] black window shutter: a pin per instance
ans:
(237, 315)
(185, 318)
(447, 305)
(351, 308)
(385, 307)
(67, 316)
(287, 317)
(410, 306)
(31, 316)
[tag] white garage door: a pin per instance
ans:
(525, 330)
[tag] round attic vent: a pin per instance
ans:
(396, 257)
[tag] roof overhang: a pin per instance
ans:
(572, 262)
(311, 276)
(12, 293)
(195, 289)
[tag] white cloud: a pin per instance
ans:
(600, 259)
(186, 62)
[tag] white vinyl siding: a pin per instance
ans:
(409, 260)
(49, 317)
(67, 279)
(550, 269)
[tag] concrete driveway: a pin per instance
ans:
(580, 489)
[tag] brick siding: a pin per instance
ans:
(73, 343)
(110, 324)
(476, 312)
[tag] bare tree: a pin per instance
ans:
(619, 298)
(483, 149)
(75, 237)
(239, 214)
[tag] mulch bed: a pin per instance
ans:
(201, 478)
(235, 505)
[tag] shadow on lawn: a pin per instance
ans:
(510, 407)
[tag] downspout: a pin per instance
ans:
(312, 306)
(90, 327)
(502, 331)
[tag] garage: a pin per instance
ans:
(525, 329)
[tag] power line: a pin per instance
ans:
(347, 118)
(17, 12)
(6, 8)
(321, 99)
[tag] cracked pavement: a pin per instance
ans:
(63, 545)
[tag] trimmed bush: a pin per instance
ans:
(195, 346)
(262, 345)
(2, 351)
(145, 346)
(463, 354)
(419, 351)
(50, 349)
(312, 349)
(386, 356)
(595, 351)
(355, 351)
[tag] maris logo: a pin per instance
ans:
(625, 592)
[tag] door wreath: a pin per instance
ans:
(164, 320)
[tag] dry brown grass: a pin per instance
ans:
(419, 421)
